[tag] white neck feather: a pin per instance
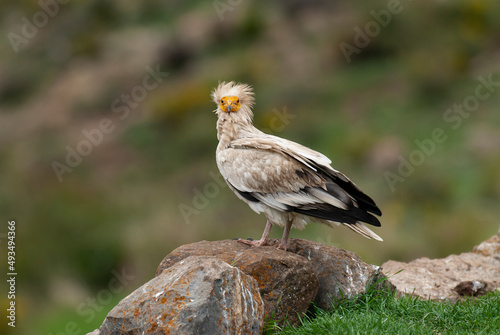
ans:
(231, 126)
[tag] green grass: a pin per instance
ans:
(383, 313)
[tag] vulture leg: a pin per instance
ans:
(263, 240)
(284, 240)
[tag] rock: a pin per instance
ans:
(198, 295)
(490, 247)
(225, 287)
(338, 270)
(227, 250)
(95, 332)
(438, 278)
(287, 282)
(342, 274)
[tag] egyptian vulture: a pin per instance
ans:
(290, 183)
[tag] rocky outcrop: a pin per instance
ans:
(226, 287)
(198, 295)
(340, 274)
(470, 274)
(287, 282)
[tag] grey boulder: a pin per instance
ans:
(197, 295)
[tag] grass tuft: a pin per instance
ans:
(378, 312)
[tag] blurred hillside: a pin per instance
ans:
(107, 136)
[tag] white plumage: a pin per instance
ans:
(288, 182)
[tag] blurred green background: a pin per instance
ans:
(151, 183)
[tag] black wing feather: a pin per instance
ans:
(364, 202)
(332, 213)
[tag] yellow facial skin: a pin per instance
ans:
(230, 104)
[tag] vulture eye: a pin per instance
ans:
(238, 101)
(221, 101)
